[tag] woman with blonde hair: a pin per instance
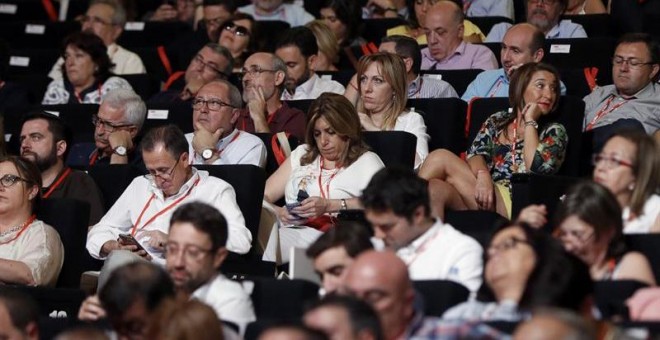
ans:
(328, 54)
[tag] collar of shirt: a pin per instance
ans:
(554, 31)
(415, 245)
(502, 75)
(184, 188)
(414, 87)
(222, 143)
(304, 88)
(460, 49)
(112, 49)
(647, 91)
(280, 12)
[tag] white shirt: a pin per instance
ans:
(228, 299)
(124, 214)
(444, 253)
(313, 88)
(293, 14)
(244, 149)
(414, 123)
(126, 62)
(643, 223)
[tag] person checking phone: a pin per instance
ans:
(321, 177)
(144, 209)
(523, 43)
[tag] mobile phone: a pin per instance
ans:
(130, 240)
(290, 206)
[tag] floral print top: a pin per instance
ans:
(548, 158)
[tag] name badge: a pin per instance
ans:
(157, 114)
(560, 48)
(35, 29)
(7, 137)
(8, 8)
(54, 113)
(19, 61)
(134, 26)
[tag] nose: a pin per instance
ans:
(329, 284)
(177, 259)
(368, 86)
(378, 233)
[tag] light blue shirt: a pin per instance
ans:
(493, 83)
(564, 29)
(489, 8)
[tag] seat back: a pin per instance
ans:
(271, 160)
(342, 76)
(269, 32)
(596, 25)
(142, 84)
(113, 179)
(478, 224)
(375, 29)
(302, 105)
(159, 114)
(440, 295)
(459, 79)
(29, 34)
(281, 299)
(539, 189)
(486, 23)
(649, 245)
(445, 121)
(32, 60)
(582, 52)
(610, 296)
(151, 33)
(395, 148)
(56, 302)
(78, 117)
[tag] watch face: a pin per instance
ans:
(207, 154)
(120, 150)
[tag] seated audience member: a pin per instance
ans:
(488, 8)
(582, 7)
(45, 140)
(343, 18)
(381, 279)
(87, 76)
(333, 252)
(378, 9)
(106, 19)
(216, 140)
(343, 317)
(446, 49)
(145, 207)
(326, 40)
(634, 98)
(508, 142)
(238, 35)
(396, 203)
(264, 10)
(471, 34)
(298, 49)
(555, 323)
(187, 320)
(525, 268)
(263, 76)
(589, 225)
(290, 330)
(131, 297)
(211, 63)
(383, 96)
(117, 124)
(14, 97)
(176, 10)
(195, 250)
(546, 16)
(522, 44)
(214, 14)
(323, 176)
(31, 252)
(19, 315)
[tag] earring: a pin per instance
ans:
(631, 187)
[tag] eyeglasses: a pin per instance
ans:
(253, 71)
(505, 245)
(212, 104)
(579, 235)
(107, 126)
(93, 20)
(199, 60)
(609, 162)
(215, 21)
(238, 30)
(632, 63)
(9, 180)
(547, 2)
(190, 252)
(164, 174)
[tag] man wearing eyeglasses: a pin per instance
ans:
(546, 15)
(216, 140)
(633, 100)
(264, 10)
(106, 19)
(116, 125)
(263, 75)
(46, 140)
(195, 250)
(143, 211)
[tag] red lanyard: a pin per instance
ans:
(605, 110)
(513, 145)
(57, 183)
(493, 92)
(23, 228)
(158, 214)
(327, 185)
(94, 157)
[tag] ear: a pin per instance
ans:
(219, 257)
(60, 148)
(184, 158)
(33, 192)
(133, 130)
(538, 55)
(461, 31)
(654, 71)
(117, 32)
(279, 78)
(311, 62)
(408, 62)
(235, 113)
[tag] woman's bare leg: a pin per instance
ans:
(445, 166)
(443, 195)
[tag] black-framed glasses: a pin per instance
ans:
(581, 236)
(213, 104)
(238, 30)
(253, 71)
(632, 63)
(199, 60)
(106, 125)
(9, 180)
(93, 20)
(505, 245)
(164, 174)
(609, 162)
(190, 252)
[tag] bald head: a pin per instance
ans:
(523, 43)
(443, 27)
(450, 8)
(381, 279)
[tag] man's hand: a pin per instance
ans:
(157, 239)
(120, 137)
(133, 248)
(204, 139)
(257, 106)
(164, 12)
(91, 309)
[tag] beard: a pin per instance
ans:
(42, 163)
(544, 24)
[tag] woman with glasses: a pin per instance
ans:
(86, 72)
(237, 35)
(524, 268)
(31, 252)
(322, 177)
(523, 139)
(588, 223)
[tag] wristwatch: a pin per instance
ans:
(207, 154)
(532, 123)
(344, 206)
(120, 150)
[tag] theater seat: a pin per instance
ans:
(459, 79)
(539, 189)
(440, 295)
(445, 122)
(478, 224)
(649, 245)
(57, 302)
(610, 296)
(271, 159)
(112, 180)
(395, 148)
(280, 299)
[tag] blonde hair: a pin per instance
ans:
(393, 71)
(325, 39)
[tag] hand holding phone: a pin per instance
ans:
(129, 240)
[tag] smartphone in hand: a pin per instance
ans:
(128, 239)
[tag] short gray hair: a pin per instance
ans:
(119, 15)
(132, 105)
(223, 51)
(278, 65)
(235, 98)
